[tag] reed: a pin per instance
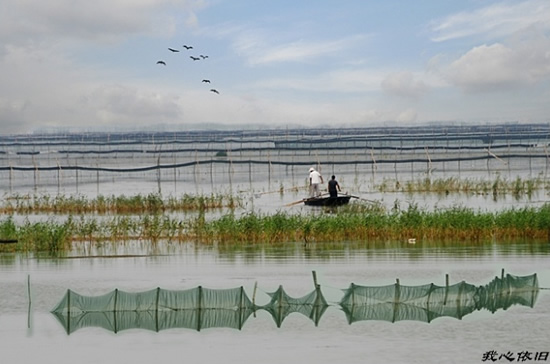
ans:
(498, 187)
(137, 204)
(352, 224)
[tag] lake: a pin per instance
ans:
(31, 334)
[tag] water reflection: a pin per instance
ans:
(201, 308)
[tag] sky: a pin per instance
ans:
(80, 65)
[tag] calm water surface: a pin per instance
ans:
(33, 335)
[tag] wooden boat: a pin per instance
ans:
(327, 201)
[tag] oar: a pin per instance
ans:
(295, 202)
(364, 199)
(295, 188)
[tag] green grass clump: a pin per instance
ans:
(498, 187)
(351, 224)
(138, 204)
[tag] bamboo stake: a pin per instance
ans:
(495, 156)
(29, 288)
(429, 161)
(254, 293)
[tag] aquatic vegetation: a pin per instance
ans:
(496, 187)
(137, 204)
(355, 223)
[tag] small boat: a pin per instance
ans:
(327, 201)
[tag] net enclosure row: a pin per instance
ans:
(201, 308)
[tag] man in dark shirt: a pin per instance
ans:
(333, 187)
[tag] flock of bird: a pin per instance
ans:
(200, 57)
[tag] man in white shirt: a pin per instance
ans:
(315, 182)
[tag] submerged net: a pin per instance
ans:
(157, 309)
(312, 305)
(201, 308)
(155, 300)
(427, 302)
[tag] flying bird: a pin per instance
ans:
(187, 47)
(203, 57)
(214, 91)
(173, 50)
(161, 62)
(207, 81)
(194, 58)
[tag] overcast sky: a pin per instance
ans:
(82, 64)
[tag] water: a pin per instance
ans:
(35, 336)
(31, 334)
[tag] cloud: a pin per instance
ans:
(404, 84)
(126, 104)
(33, 21)
(12, 115)
(259, 48)
(494, 21)
(407, 116)
(497, 67)
(340, 81)
(300, 51)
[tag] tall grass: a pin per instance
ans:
(497, 187)
(152, 203)
(351, 224)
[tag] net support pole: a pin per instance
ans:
(68, 311)
(29, 287)
(241, 308)
(397, 298)
(157, 310)
(35, 174)
(254, 293)
(314, 278)
(446, 289)
(11, 178)
(199, 309)
(58, 177)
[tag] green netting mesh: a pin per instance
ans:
(427, 302)
(155, 300)
(157, 309)
(195, 319)
(312, 305)
(201, 308)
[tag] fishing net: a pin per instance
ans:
(426, 302)
(312, 305)
(200, 308)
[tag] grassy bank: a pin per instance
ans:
(352, 224)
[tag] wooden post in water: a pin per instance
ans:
(254, 293)
(314, 278)
(268, 168)
(446, 289)
(11, 178)
(429, 172)
(396, 299)
(199, 309)
(158, 174)
(29, 288)
(35, 174)
(58, 177)
(157, 327)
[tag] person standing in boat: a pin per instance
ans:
(315, 181)
(333, 187)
